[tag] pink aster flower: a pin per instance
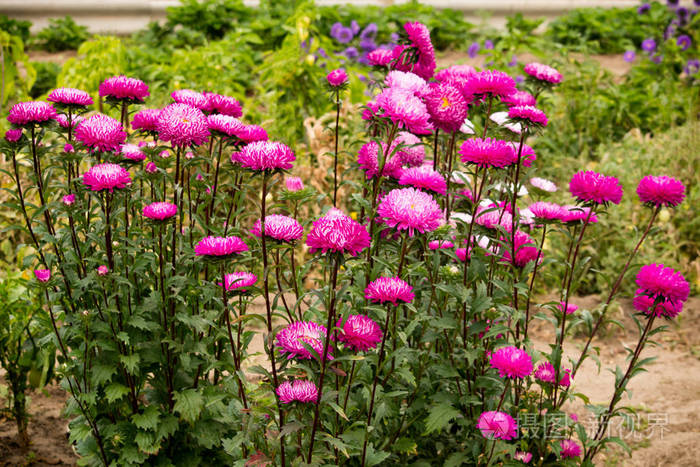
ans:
(35, 112)
(511, 362)
(543, 184)
(665, 308)
(519, 98)
(300, 391)
(389, 290)
(151, 168)
(661, 282)
(13, 135)
(487, 152)
(592, 187)
(102, 270)
(380, 57)
(291, 340)
(525, 250)
(570, 308)
(265, 155)
(294, 184)
(527, 154)
(440, 244)
(220, 246)
(182, 125)
(408, 81)
(224, 105)
(543, 72)
(100, 133)
(455, 74)
(524, 457)
(106, 177)
(253, 133)
(493, 217)
(492, 82)
(497, 425)
(368, 159)
(410, 149)
(528, 114)
(159, 211)
(68, 148)
(42, 275)
(224, 124)
(546, 373)
(122, 87)
(68, 200)
(660, 191)
(359, 333)
(410, 209)
(132, 152)
(337, 78)
(69, 96)
(545, 211)
(278, 227)
(239, 281)
(447, 107)
(405, 110)
(191, 98)
(425, 178)
(419, 35)
(569, 448)
(572, 214)
(338, 233)
(146, 120)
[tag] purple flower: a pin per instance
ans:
(488, 45)
(513, 61)
(368, 44)
(684, 42)
(657, 58)
(629, 56)
(354, 27)
(643, 8)
(473, 50)
(341, 34)
(692, 66)
(649, 45)
(370, 31)
(351, 52)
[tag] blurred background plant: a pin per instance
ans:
(61, 34)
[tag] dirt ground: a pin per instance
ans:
(667, 398)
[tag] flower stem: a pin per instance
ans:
(335, 159)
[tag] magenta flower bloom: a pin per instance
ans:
(492, 82)
(224, 105)
(660, 191)
(151, 168)
(294, 184)
(592, 187)
(440, 244)
(405, 110)
(497, 425)
(278, 227)
(191, 98)
(300, 391)
(410, 149)
(572, 214)
(238, 281)
(524, 457)
(410, 209)
(525, 250)
(68, 200)
(360, 333)
(106, 177)
(570, 308)
(225, 125)
(159, 211)
(543, 73)
(493, 217)
(487, 152)
(419, 35)
(34, 112)
(122, 87)
(407, 81)
(336, 232)
(569, 448)
(265, 155)
(100, 133)
(544, 211)
(511, 362)
(182, 125)
(253, 133)
(102, 270)
(425, 178)
(368, 159)
(146, 120)
(69, 96)
(291, 340)
(519, 98)
(543, 184)
(389, 290)
(665, 308)
(446, 106)
(68, 148)
(380, 57)
(132, 152)
(528, 114)
(42, 275)
(337, 78)
(455, 74)
(660, 282)
(220, 246)
(546, 373)
(13, 135)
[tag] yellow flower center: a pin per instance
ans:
(445, 103)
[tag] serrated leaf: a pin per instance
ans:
(188, 404)
(115, 391)
(439, 417)
(148, 420)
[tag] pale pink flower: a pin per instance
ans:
(410, 209)
(299, 391)
(389, 290)
(106, 176)
(497, 425)
(279, 227)
(291, 340)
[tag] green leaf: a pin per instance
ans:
(189, 404)
(456, 459)
(102, 373)
(291, 427)
(375, 457)
(439, 417)
(148, 420)
(130, 362)
(115, 391)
